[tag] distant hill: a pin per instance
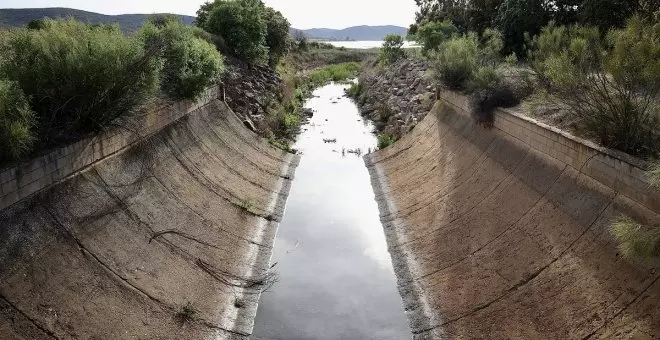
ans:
(129, 22)
(10, 17)
(355, 33)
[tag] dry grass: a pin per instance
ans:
(636, 241)
(654, 174)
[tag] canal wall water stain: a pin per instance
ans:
(167, 239)
(503, 233)
(336, 279)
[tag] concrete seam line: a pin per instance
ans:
(536, 274)
(198, 175)
(215, 133)
(590, 335)
(46, 331)
(410, 209)
(503, 232)
(125, 281)
(202, 217)
(230, 168)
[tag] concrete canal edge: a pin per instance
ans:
(167, 233)
(483, 224)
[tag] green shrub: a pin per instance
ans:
(248, 30)
(518, 18)
(385, 140)
(16, 123)
(635, 240)
(485, 77)
(432, 34)
(242, 26)
(355, 90)
(392, 49)
(456, 62)
(78, 77)
(475, 64)
(190, 64)
(611, 86)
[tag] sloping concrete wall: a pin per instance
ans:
(187, 215)
(21, 180)
(503, 233)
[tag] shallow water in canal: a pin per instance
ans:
(335, 275)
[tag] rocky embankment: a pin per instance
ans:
(396, 97)
(248, 90)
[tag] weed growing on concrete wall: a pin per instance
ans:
(249, 206)
(186, 312)
(385, 140)
(635, 240)
(654, 174)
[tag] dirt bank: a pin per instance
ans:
(492, 238)
(186, 218)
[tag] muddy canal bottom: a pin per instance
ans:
(335, 275)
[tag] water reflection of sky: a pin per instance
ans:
(336, 278)
(337, 119)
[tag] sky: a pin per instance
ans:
(301, 13)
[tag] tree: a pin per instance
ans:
(300, 40)
(203, 13)
(441, 10)
(392, 49)
(432, 34)
(277, 36)
(242, 26)
(518, 18)
(35, 24)
(565, 12)
(481, 14)
(606, 14)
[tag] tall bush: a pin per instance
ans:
(610, 85)
(456, 62)
(432, 34)
(277, 35)
(16, 122)
(475, 64)
(392, 49)
(190, 63)
(242, 26)
(78, 77)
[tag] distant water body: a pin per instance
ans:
(367, 44)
